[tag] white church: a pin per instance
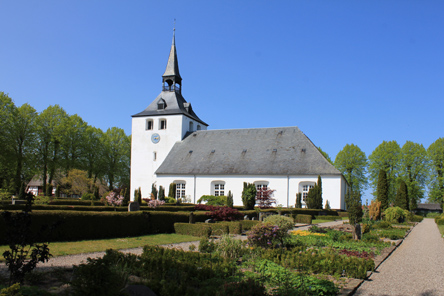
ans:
(171, 144)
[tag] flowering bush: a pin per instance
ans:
(266, 235)
(154, 203)
(113, 199)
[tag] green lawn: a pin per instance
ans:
(71, 248)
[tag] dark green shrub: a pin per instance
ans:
(370, 238)
(99, 277)
(440, 221)
(249, 196)
(305, 219)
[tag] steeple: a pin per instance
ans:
(171, 78)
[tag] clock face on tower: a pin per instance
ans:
(155, 138)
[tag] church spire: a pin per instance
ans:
(171, 78)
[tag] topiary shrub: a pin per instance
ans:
(305, 219)
(284, 223)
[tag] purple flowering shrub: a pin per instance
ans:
(266, 235)
(113, 199)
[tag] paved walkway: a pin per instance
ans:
(414, 269)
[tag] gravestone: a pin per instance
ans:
(134, 207)
(209, 221)
(246, 217)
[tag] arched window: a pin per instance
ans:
(304, 187)
(199, 127)
(261, 186)
(191, 126)
(149, 124)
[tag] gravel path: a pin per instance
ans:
(414, 269)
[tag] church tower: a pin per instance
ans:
(167, 120)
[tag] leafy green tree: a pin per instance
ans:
(354, 209)
(72, 143)
(382, 189)
(352, 163)
(385, 157)
(414, 170)
(23, 140)
(7, 160)
(325, 155)
(49, 132)
(94, 153)
(116, 156)
(402, 197)
(249, 196)
(436, 167)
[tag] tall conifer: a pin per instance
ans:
(402, 197)
(382, 189)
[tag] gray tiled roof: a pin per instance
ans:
(262, 151)
(430, 207)
(175, 104)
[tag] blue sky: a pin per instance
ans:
(344, 72)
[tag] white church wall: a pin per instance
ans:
(285, 187)
(147, 156)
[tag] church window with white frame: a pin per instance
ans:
(162, 124)
(218, 188)
(191, 126)
(149, 124)
(305, 189)
(180, 190)
(261, 186)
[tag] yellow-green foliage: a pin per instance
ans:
(375, 210)
(13, 290)
(396, 214)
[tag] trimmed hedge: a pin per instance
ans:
(75, 225)
(248, 224)
(306, 219)
(416, 218)
(197, 229)
(329, 218)
(207, 229)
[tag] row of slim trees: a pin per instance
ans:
(51, 143)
